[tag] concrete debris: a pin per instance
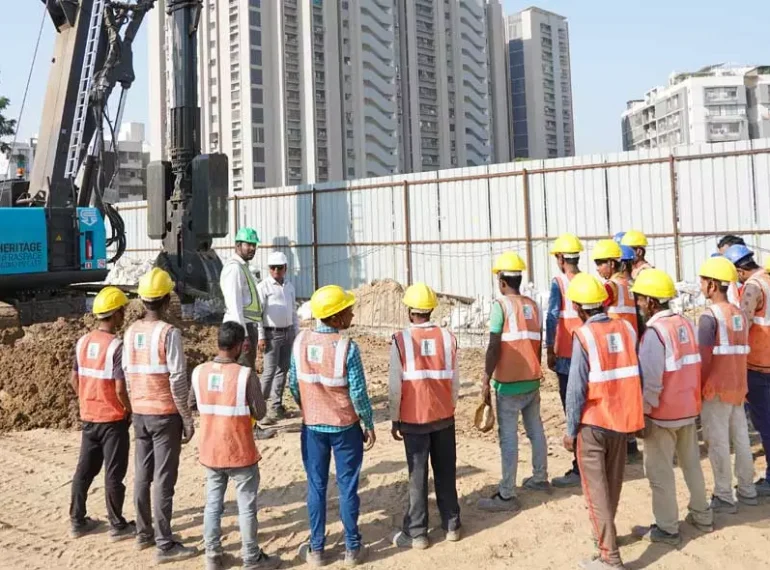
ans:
(128, 271)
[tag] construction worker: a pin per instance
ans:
(755, 304)
(228, 397)
(561, 321)
(424, 384)
(638, 241)
(734, 291)
(156, 375)
(604, 405)
(627, 257)
(671, 368)
(277, 330)
(723, 337)
(98, 380)
(326, 379)
(513, 369)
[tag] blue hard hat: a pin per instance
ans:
(618, 236)
(627, 252)
(738, 253)
(716, 254)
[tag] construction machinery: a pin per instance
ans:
(60, 227)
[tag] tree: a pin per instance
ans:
(7, 126)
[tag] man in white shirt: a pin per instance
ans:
(277, 330)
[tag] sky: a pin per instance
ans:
(619, 50)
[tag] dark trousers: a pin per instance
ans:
(563, 395)
(249, 357)
(438, 446)
(158, 444)
(275, 366)
(758, 405)
(348, 449)
(106, 443)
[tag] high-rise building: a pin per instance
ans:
(133, 157)
(718, 103)
(541, 84)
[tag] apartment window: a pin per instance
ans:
(717, 94)
(256, 96)
(256, 56)
(255, 20)
(255, 3)
(258, 154)
(255, 37)
(256, 77)
(258, 134)
(259, 174)
(257, 115)
(724, 129)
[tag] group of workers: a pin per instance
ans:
(628, 366)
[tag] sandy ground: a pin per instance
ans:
(552, 531)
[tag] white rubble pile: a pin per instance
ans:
(128, 271)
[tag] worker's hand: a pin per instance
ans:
(261, 345)
(569, 443)
(396, 433)
(188, 431)
(369, 439)
(486, 392)
(551, 358)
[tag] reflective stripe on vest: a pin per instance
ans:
(569, 321)
(410, 371)
(253, 311)
(518, 361)
(97, 394)
(147, 370)
(337, 378)
(724, 346)
(155, 366)
(727, 377)
(759, 332)
(596, 372)
(226, 438)
(624, 300)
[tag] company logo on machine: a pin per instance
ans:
(101, 264)
(87, 216)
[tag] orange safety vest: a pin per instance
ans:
(520, 341)
(614, 396)
(428, 361)
(635, 271)
(681, 396)
(569, 321)
(226, 440)
(98, 399)
(624, 305)
(321, 361)
(759, 333)
(147, 369)
(727, 374)
(734, 294)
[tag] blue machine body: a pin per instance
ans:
(93, 239)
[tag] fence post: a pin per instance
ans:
(236, 215)
(407, 234)
(528, 224)
(675, 216)
(314, 223)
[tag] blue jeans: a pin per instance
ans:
(246, 485)
(348, 448)
(758, 405)
(508, 409)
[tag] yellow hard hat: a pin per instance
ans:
(420, 297)
(109, 300)
(767, 264)
(509, 262)
(586, 290)
(606, 249)
(718, 268)
(634, 238)
(654, 283)
(330, 300)
(566, 244)
(155, 284)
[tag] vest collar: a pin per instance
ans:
(661, 315)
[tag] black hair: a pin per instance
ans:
(729, 240)
(156, 304)
(748, 265)
(592, 312)
(513, 281)
(231, 335)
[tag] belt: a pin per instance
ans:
(280, 329)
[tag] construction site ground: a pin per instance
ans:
(39, 448)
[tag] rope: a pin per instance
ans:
(26, 89)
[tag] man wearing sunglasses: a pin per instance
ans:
(277, 330)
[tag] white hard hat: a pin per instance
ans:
(277, 258)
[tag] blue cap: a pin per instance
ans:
(738, 253)
(618, 237)
(717, 254)
(627, 253)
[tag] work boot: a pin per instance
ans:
(311, 557)
(532, 485)
(263, 562)
(283, 414)
(128, 530)
(144, 542)
(81, 529)
(497, 504)
(454, 535)
(763, 487)
(749, 501)
(356, 557)
(653, 533)
(215, 562)
(261, 434)
(177, 551)
(720, 506)
(403, 540)
(690, 519)
(570, 479)
(597, 563)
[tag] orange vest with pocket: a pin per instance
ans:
(727, 378)
(614, 395)
(624, 304)
(147, 369)
(97, 396)
(520, 346)
(428, 360)
(321, 364)
(759, 333)
(226, 439)
(681, 396)
(569, 321)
